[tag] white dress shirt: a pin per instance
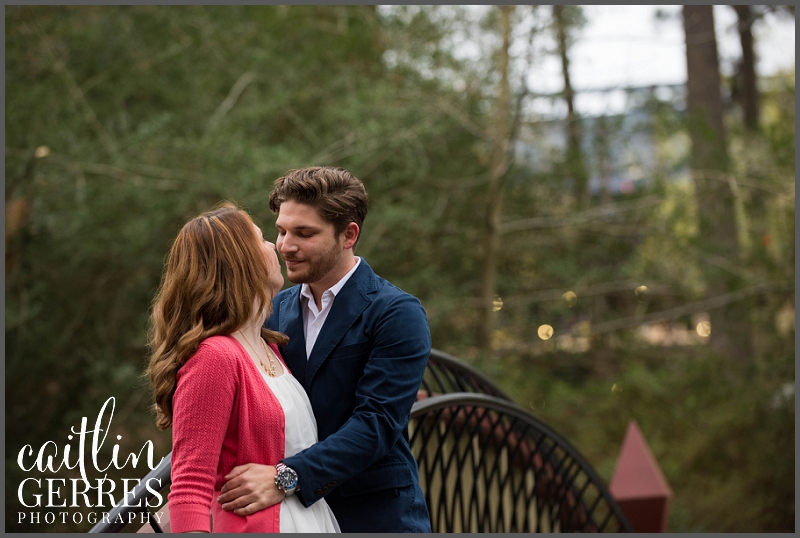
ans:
(314, 319)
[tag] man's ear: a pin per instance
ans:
(351, 234)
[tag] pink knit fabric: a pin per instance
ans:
(224, 415)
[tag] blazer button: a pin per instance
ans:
(319, 493)
(333, 483)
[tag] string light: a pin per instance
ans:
(641, 293)
(571, 298)
(545, 332)
(498, 303)
(704, 329)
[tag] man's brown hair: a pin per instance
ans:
(339, 197)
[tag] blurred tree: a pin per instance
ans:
(731, 330)
(748, 94)
(567, 19)
(498, 167)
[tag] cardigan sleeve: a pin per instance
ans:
(201, 407)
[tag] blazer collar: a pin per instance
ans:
(350, 302)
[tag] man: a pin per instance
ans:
(359, 347)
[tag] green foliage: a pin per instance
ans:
(724, 442)
(152, 114)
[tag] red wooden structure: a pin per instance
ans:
(639, 486)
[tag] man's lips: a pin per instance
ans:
(292, 263)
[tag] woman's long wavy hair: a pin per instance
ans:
(215, 277)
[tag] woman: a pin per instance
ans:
(219, 379)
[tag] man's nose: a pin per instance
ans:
(285, 244)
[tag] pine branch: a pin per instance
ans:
(581, 217)
(691, 308)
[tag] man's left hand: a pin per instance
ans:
(250, 488)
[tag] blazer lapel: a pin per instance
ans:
(290, 323)
(351, 301)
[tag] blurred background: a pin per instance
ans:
(600, 241)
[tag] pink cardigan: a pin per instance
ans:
(224, 415)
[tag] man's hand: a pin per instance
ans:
(250, 488)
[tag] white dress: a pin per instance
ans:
(301, 433)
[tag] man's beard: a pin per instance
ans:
(317, 270)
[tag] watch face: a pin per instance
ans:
(287, 478)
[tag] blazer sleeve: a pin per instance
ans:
(384, 395)
(202, 407)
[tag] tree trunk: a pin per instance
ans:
(747, 72)
(730, 330)
(499, 165)
(749, 101)
(575, 164)
(602, 146)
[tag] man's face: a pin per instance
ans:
(309, 245)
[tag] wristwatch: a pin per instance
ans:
(286, 479)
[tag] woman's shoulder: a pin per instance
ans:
(220, 342)
(217, 351)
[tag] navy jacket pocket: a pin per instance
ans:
(350, 350)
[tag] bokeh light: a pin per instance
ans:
(537, 408)
(571, 298)
(641, 293)
(704, 329)
(498, 303)
(545, 331)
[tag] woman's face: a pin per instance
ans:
(271, 259)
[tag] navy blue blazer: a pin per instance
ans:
(362, 378)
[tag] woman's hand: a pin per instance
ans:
(250, 488)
